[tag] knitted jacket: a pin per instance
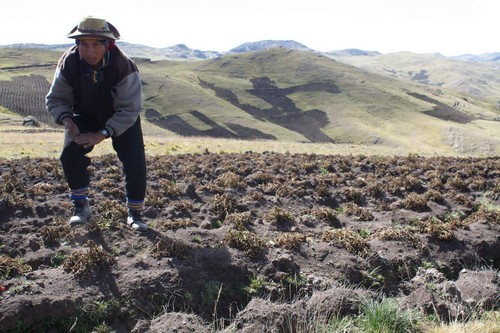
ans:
(109, 97)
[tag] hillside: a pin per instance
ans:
(479, 79)
(302, 96)
(285, 95)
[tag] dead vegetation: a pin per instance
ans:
(227, 228)
(83, 263)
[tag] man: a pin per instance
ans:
(97, 94)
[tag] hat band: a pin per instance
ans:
(93, 31)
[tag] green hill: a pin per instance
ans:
(477, 79)
(302, 96)
(289, 96)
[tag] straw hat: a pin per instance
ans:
(94, 27)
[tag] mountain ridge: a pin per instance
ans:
(183, 52)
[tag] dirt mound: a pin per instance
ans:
(248, 242)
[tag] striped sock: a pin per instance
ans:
(135, 204)
(79, 194)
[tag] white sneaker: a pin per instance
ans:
(82, 212)
(134, 220)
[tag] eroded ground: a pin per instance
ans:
(248, 242)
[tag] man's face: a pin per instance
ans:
(92, 50)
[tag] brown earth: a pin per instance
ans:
(249, 242)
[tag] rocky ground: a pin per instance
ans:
(249, 242)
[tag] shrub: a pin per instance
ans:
(384, 315)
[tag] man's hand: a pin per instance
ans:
(84, 139)
(71, 129)
(89, 139)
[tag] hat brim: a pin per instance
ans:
(112, 34)
(79, 34)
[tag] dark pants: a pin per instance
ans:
(129, 147)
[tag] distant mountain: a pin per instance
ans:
(485, 57)
(269, 44)
(475, 77)
(175, 52)
(351, 53)
(48, 47)
(183, 52)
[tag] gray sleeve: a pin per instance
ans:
(127, 102)
(60, 99)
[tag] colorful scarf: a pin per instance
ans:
(97, 73)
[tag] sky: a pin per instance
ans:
(449, 27)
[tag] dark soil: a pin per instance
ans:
(282, 112)
(443, 111)
(248, 242)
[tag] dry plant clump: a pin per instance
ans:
(401, 234)
(434, 195)
(250, 243)
(458, 183)
(231, 180)
(290, 241)
(52, 234)
(10, 267)
(83, 263)
(177, 223)
(42, 188)
(111, 210)
(416, 202)
(399, 185)
(375, 190)
(184, 206)
(278, 216)
(483, 214)
(348, 239)
(260, 177)
(166, 247)
(436, 228)
(353, 195)
(240, 221)
(460, 198)
(222, 204)
(359, 213)
(326, 214)
(284, 191)
(169, 188)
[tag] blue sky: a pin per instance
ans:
(450, 27)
